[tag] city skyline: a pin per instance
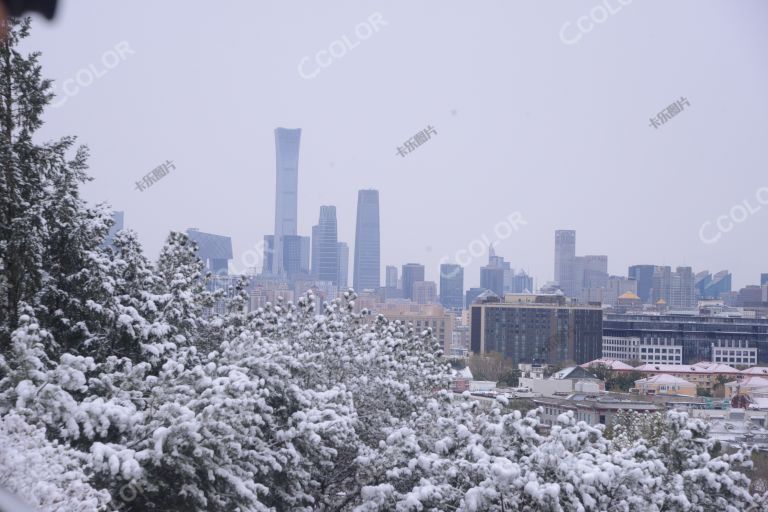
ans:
(605, 157)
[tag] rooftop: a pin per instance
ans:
(664, 378)
(701, 367)
(612, 364)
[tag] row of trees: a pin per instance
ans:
(118, 393)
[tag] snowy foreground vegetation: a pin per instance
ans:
(118, 393)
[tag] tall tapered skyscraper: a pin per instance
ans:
(325, 245)
(286, 191)
(367, 266)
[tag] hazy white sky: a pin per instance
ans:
(525, 122)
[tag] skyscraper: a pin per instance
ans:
(367, 266)
(214, 250)
(286, 191)
(325, 246)
(391, 276)
(763, 279)
(452, 286)
(118, 224)
(565, 254)
(412, 273)
(522, 283)
(492, 278)
(343, 279)
(295, 255)
(424, 292)
(643, 274)
(676, 289)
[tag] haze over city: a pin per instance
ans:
(526, 121)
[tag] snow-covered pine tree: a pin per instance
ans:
(23, 178)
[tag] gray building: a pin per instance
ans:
(286, 191)
(325, 256)
(471, 295)
(676, 289)
(367, 264)
(763, 279)
(343, 278)
(546, 330)
(595, 271)
(412, 273)
(492, 278)
(452, 286)
(565, 255)
(391, 276)
(708, 286)
(118, 224)
(522, 283)
(643, 274)
(698, 338)
(214, 250)
(296, 255)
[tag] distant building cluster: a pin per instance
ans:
(654, 315)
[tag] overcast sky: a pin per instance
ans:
(532, 114)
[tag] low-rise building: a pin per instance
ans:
(703, 374)
(665, 384)
(611, 364)
(593, 409)
(564, 382)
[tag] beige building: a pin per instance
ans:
(422, 316)
(703, 374)
(269, 292)
(665, 384)
(425, 292)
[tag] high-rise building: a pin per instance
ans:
(269, 252)
(367, 265)
(472, 294)
(522, 283)
(565, 254)
(391, 276)
(118, 223)
(286, 191)
(492, 278)
(720, 283)
(424, 292)
(543, 330)
(295, 255)
(595, 271)
(763, 279)
(343, 278)
(452, 286)
(643, 274)
(214, 250)
(495, 275)
(432, 316)
(675, 289)
(412, 272)
(325, 246)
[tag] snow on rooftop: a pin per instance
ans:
(701, 367)
(613, 364)
(755, 370)
(664, 378)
